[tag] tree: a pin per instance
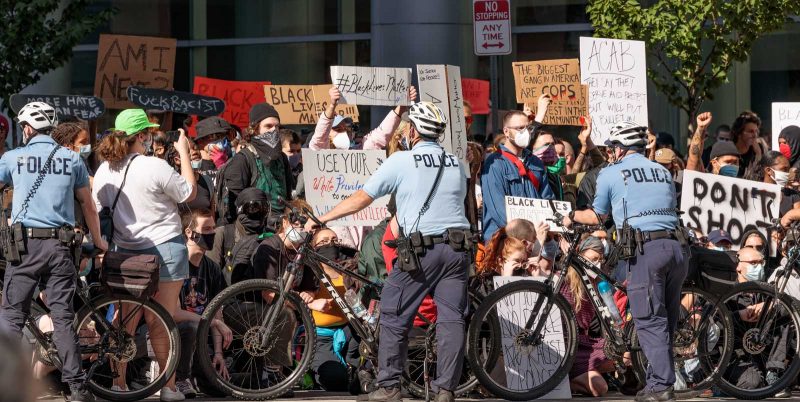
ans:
(694, 42)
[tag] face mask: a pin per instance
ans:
(294, 160)
(341, 141)
(559, 167)
(329, 251)
(547, 154)
(148, 144)
(523, 138)
(535, 249)
(196, 164)
(606, 247)
(729, 170)
(404, 144)
(781, 178)
(86, 150)
(219, 157)
(224, 144)
(295, 235)
(550, 250)
(591, 274)
(204, 240)
(786, 150)
(719, 248)
(270, 138)
(755, 272)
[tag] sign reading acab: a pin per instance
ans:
(491, 20)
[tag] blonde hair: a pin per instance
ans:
(573, 280)
(394, 142)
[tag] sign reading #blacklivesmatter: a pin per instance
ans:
(535, 210)
(81, 107)
(124, 61)
(332, 175)
(561, 79)
(378, 86)
(176, 101)
(302, 104)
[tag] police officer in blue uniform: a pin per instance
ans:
(429, 186)
(47, 178)
(640, 195)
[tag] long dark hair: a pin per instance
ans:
(741, 121)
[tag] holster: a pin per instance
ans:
(13, 242)
(407, 258)
(627, 241)
(461, 239)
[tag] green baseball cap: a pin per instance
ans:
(131, 121)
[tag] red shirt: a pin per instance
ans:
(428, 308)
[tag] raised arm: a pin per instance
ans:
(695, 160)
(321, 137)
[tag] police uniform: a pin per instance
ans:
(443, 270)
(48, 261)
(643, 191)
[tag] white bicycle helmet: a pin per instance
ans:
(39, 115)
(628, 134)
(427, 118)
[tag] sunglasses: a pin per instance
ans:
(254, 208)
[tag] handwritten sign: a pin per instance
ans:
(124, 61)
(333, 175)
(82, 107)
(302, 104)
(616, 73)
(527, 369)
(379, 86)
(561, 80)
(535, 210)
(176, 101)
(712, 202)
(784, 114)
(441, 85)
(238, 96)
(476, 92)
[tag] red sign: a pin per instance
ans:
(491, 20)
(476, 92)
(239, 96)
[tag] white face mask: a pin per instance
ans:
(86, 150)
(523, 138)
(341, 141)
(781, 178)
(295, 235)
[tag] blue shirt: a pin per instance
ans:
(500, 178)
(53, 204)
(640, 185)
(410, 176)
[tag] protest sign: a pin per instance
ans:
(82, 107)
(712, 202)
(124, 61)
(558, 78)
(784, 114)
(441, 85)
(616, 73)
(527, 369)
(175, 101)
(302, 104)
(476, 92)
(238, 96)
(379, 86)
(333, 175)
(535, 210)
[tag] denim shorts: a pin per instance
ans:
(173, 255)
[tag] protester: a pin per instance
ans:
(724, 159)
(205, 184)
(774, 169)
(505, 256)
(719, 240)
(722, 133)
(214, 136)
(544, 149)
(745, 131)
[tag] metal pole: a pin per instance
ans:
(493, 88)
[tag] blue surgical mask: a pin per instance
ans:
(550, 250)
(606, 247)
(294, 160)
(755, 272)
(404, 143)
(196, 164)
(729, 170)
(719, 248)
(85, 151)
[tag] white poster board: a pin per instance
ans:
(333, 175)
(784, 114)
(525, 370)
(379, 86)
(712, 202)
(535, 210)
(441, 85)
(615, 71)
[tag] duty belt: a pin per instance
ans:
(40, 233)
(658, 235)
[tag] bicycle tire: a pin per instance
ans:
(722, 317)
(791, 372)
(172, 362)
(229, 295)
(487, 311)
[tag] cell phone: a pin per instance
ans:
(173, 135)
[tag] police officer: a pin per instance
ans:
(439, 234)
(641, 191)
(47, 179)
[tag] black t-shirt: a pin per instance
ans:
(204, 283)
(205, 190)
(790, 197)
(208, 168)
(270, 261)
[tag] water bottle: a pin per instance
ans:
(607, 293)
(354, 301)
(372, 319)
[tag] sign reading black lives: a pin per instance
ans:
(175, 101)
(81, 107)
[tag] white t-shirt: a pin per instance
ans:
(147, 211)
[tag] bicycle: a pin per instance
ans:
(544, 334)
(269, 321)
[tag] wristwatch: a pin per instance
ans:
(571, 215)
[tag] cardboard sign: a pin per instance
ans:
(784, 114)
(124, 61)
(176, 101)
(82, 107)
(302, 104)
(441, 85)
(616, 73)
(476, 92)
(712, 202)
(535, 210)
(333, 175)
(527, 369)
(558, 78)
(379, 86)
(238, 96)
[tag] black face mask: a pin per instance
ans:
(253, 224)
(329, 251)
(204, 240)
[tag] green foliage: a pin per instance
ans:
(691, 43)
(38, 36)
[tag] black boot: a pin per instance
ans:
(666, 395)
(80, 393)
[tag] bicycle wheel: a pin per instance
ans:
(702, 344)
(261, 364)
(772, 363)
(534, 364)
(138, 355)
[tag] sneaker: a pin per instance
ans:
(168, 395)
(117, 388)
(186, 388)
(666, 395)
(80, 393)
(785, 393)
(445, 396)
(389, 394)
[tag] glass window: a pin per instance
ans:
(547, 12)
(774, 72)
(164, 18)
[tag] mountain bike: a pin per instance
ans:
(538, 339)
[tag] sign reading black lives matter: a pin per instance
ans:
(712, 202)
(175, 101)
(82, 107)
(536, 210)
(379, 86)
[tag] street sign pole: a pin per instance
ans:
(491, 23)
(493, 95)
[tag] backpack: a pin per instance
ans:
(711, 270)
(239, 261)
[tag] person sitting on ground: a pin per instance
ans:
(719, 240)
